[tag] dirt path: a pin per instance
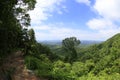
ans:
(16, 62)
(21, 73)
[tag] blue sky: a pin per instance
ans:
(84, 19)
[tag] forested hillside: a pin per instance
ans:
(99, 61)
(69, 62)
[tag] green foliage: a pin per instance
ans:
(31, 62)
(97, 62)
(41, 66)
(46, 50)
(61, 71)
(105, 56)
(101, 77)
(69, 45)
(39, 59)
(13, 19)
(80, 68)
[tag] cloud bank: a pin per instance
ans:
(51, 32)
(107, 22)
(102, 26)
(44, 9)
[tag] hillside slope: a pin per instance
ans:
(106, 56)
(97, 62)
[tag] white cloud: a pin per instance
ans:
(51, 32)
(108, 8)
(87, 2)
(44, 27)
(105, 23)
(100, 24)
(108, 14)
(44, 8)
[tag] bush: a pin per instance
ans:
(31, 62)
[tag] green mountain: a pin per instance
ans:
(106, 56)
(95, 62)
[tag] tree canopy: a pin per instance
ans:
(69, 45)
(14, 20)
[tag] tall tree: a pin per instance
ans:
(31, 34)
(69, 45)
(14, 18)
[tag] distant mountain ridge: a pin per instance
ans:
(59, 42)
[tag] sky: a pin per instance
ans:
(84, 19)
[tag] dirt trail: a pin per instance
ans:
(16, 62)
(21, 73)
